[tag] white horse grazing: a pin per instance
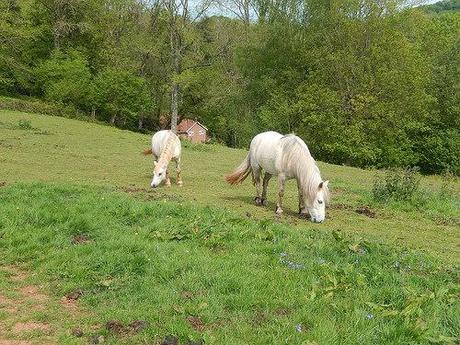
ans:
(287, 157)
(165, 147)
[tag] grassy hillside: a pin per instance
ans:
(69, 151)
(201, 263)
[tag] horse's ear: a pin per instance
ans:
(323, 184)
(155, 163)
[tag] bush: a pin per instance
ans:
(31, 105)
(66, 79)
(396, 184)
(121, 95)
(438, 151)
(25, 124)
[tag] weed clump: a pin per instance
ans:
(24, 124)
(397, 185)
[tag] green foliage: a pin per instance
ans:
(66, 78)
(121, 94)
(33, 105)
(25, 124)
(443, 6)
(365, 83)
(396, 184)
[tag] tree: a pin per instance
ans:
(121, 95)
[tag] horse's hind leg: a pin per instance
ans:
(267, 178)
(281, 181)
(178, 170)
(256, 179)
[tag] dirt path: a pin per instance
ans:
(28, 316)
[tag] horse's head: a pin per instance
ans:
(315, 203)
(159, 173)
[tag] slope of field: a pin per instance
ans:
(203, 275)
(89, 253)
(69, 151)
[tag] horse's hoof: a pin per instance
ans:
(279, 210)
(264, 202)
(258, 201)
(180, 184)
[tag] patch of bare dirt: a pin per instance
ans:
(4, 300)
(14, 342)
(20, 308)
(259, 318)
(366, 210)
(196, 323)
(32, 292)
(116, 327)
(282, 312)
(340, 207)
(138, 325)
(22, 327)
(2, 183)
(74, 295)
(17, 275)
(120, 329)
(77, 332)
(80, 239)
(147, 194)
(184, 294)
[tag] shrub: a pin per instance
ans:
(66, 79)
(24, 124)
(32, 105)
(396, 184)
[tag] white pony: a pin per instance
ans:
(287, 157)
(165, 147)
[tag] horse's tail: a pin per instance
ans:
(147, 152)
(240, 173)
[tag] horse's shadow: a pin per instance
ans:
(271, 207)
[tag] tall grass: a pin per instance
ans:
(246, 281)
(400, 189)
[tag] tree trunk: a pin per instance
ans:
(113, 119)
(140, 123)
(174, 41)
(174, 106)
(93, 113)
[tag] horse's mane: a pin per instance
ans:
(297, 157)
(166, 153)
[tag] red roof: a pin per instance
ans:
(186, 124)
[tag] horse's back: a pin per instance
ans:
(264, 151)
(160, 139)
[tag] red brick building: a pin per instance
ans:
(192, 130)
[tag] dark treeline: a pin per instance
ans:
(364, 82)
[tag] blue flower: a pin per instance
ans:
(298, 327)
(370, 316)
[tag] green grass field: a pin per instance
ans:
(202, 262)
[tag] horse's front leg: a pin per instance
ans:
(301, 200)
(302, 209)
(178, 170)
(167, 179)
(281, 181)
